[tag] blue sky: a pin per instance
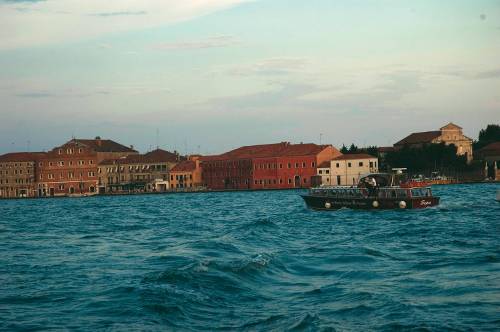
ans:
(208, 76)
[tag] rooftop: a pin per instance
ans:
(490, 149)
(354, 156)
(21, 156)
(270, 150)
(103, 145)
(422, 137)
(184, 166)
(155, 156)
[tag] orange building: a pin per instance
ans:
(187, 174)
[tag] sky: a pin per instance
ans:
(207, 76)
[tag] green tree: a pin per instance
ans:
(488, 135)
(432, 157)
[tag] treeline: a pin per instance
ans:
(488, 135)
(371, 150)
(427, 158)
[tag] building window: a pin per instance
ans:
(313, 164)
(289, 181)
(327, 171)
(80, 150)
(320, 172)
(371, 164)
(91, 162)
(349, 165)
(60, 151)
(305, 180)
(337, 165)
(360, 164)
(281, 165)
(289, 165)
(296, 165)
(303, 165)
(281, 181)
(61, 187)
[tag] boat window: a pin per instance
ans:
(402, 193)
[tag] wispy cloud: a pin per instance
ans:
(28, 23)
(122, 13)
(271, 66)
(86, 92)
(211, 42)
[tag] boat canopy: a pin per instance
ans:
(383, 179)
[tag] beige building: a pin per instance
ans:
(148, 172)
(449, 134)
(18, 174)
(346, 170)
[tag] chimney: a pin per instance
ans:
(98, 140)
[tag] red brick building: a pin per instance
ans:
(71, 169)
(269, 166)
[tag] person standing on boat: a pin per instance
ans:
(371, 184)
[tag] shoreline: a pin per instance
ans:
(204, 191)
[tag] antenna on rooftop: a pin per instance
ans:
(157, 138)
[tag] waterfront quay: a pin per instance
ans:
(88, 167)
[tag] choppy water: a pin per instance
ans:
(251, 261)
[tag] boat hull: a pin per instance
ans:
(368, 203)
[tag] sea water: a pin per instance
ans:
(254, 261)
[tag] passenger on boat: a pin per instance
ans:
(371, 185)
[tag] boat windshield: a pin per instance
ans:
(421, 192)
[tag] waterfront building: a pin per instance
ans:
(449, 134)
(268, 166)
(149, 172)
(490, 155)
(345, 170)
(18, 174)
(187, 174)
(71, 169)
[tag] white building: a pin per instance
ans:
(346, 170)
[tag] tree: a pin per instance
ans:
(344, 149)
(431, 157)
(488, 135)
(353, 148)
(371, 150)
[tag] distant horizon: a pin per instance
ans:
(209, 76)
